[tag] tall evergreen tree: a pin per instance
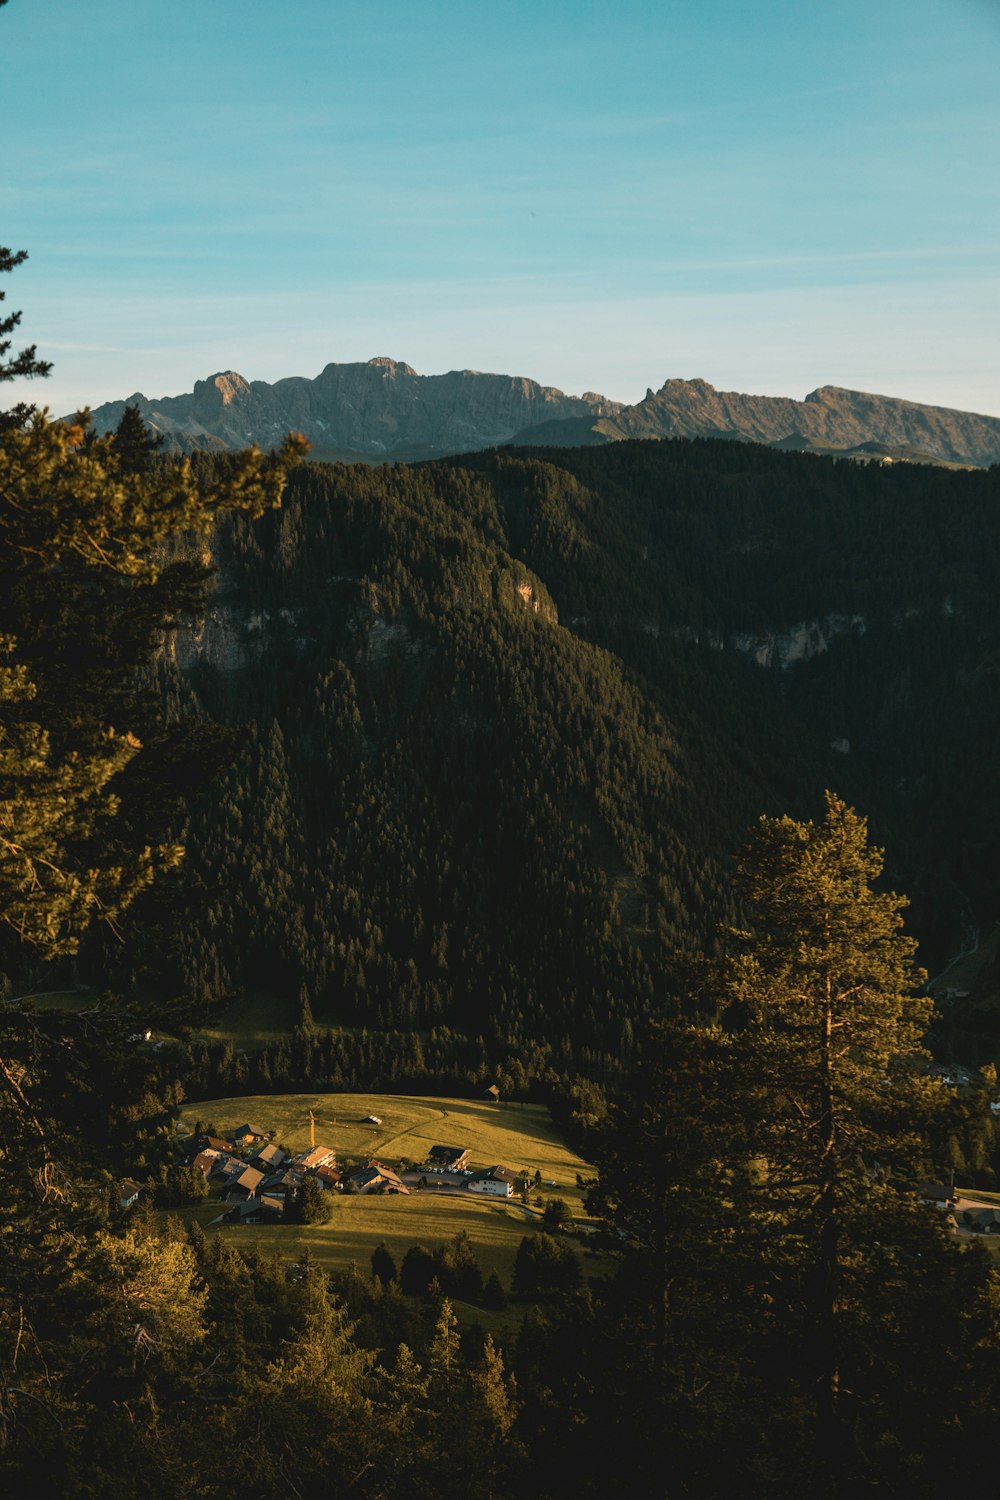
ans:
(134, 443)
(826, 987)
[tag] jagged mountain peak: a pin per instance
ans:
(382, 409)
(229, 385)
(390, 366)
(674, 385)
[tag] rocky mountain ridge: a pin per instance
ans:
(830, 419)
(379, 410)
(383, 410)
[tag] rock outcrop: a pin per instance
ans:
(384, 410)
(829, 419)
(379, 410)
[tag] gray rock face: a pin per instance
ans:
(385, 410)
(829, 418)
(382, 409)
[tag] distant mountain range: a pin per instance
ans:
(384, 410)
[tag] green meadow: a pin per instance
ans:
(520, 1136)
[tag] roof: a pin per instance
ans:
(317, 1156)
(493, 1091)
(373, 1173)
(503, 1174)
(284, 1182)
(249, 1130)
(364, 1176)
(128, 1188)
(935, 1192)
(249, 1178)
(273, 1207)
(447, 1153)
(272, 1155)
(215, 1143)
(227, 1166)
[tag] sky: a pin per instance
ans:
(771, 197)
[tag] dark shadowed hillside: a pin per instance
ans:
(509, 717)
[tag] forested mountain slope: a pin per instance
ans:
(511, 713)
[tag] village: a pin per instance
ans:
(258, 1181)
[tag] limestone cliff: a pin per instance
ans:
(830, 418)
(379, 410)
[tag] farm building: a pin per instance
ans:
(213, 1143)
(128, 1192)
(316, 1156)
(284, 1184)
(375, 1178)
(268, 1156)
(498, 1181)
(447, 1158)
(245, 1184)
(260, 1210)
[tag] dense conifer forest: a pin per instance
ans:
(503, 721)
(447, 767)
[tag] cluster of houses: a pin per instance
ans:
(966, 1213)
(258, 1178)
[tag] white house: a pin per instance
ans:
(497, 1181)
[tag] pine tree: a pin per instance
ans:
(25, 364)
(831, 1031)
(383, 1264)
(91, 574)
(444, 1360)
(134, 443)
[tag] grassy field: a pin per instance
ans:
(516, 1135)
(359, 1223)
(520, 1136)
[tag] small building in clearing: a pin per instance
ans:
(128, 1192)
(497, 1181)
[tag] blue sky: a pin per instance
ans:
(772, 197)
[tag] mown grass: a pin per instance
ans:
(518, 1136)
(360, 1222)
